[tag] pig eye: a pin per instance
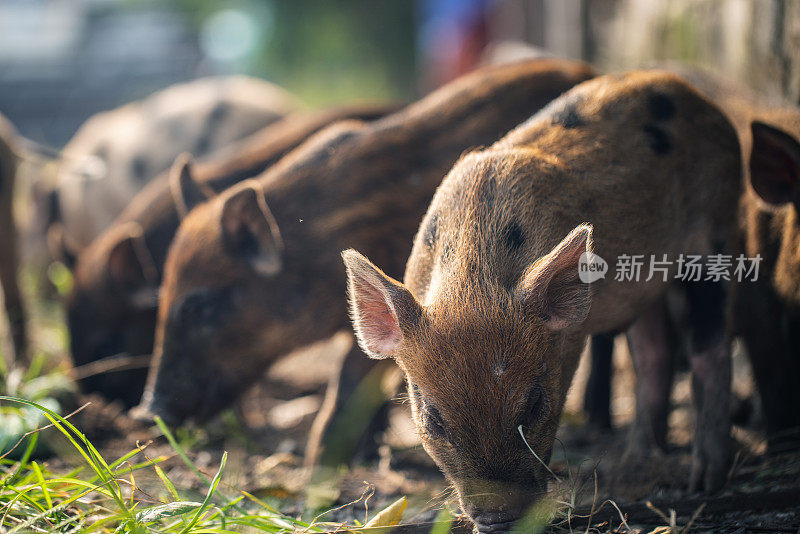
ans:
(198, 310)
(432, 423)
(434, 426)
(202, 307)
(536, 409)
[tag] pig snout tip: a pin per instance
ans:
(146, 412)
(141, 413)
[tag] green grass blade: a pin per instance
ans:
(42, 484)
(211, 490)
(443, 522)
(163, 511)
(127, 456)
(167, 483)
(174, 444)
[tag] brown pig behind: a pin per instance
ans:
(767, 310)
(255, 272)
(111, 310)
(493, 314)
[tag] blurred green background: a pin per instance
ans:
(307, 45)
(61, 61)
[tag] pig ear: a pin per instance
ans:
(250, 231)
(552, 288)
(132, 269)
(774, 164)
(381, 308)
(186, 191)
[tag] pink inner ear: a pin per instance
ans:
(375, 321)
(380, 329)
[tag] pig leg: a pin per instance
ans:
(767, 329)
(353, 414)
(597, 399)
(9, 266)
(710, 362)
(651, 345)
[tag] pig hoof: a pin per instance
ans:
(638, 450)
(707, 477)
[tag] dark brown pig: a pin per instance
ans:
(255, 272)
(112, 308)
(9, 251)
(767, 311)
(493, 315)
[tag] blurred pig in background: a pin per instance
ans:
(111, 311)
(116, 153)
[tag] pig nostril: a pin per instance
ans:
(494, 522)
(494, 528)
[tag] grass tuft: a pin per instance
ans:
(101, 496)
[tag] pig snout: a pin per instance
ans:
(148, 409)
(179, 404)
(496, 506)
(177, 393)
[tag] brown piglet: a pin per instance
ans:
(493, 314)
(111, 310)
(255, 272)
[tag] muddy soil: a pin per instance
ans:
(265, 437)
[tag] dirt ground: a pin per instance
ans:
(265, 437)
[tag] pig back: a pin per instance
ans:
(116, 153)
(374, 189)
(645, 159)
